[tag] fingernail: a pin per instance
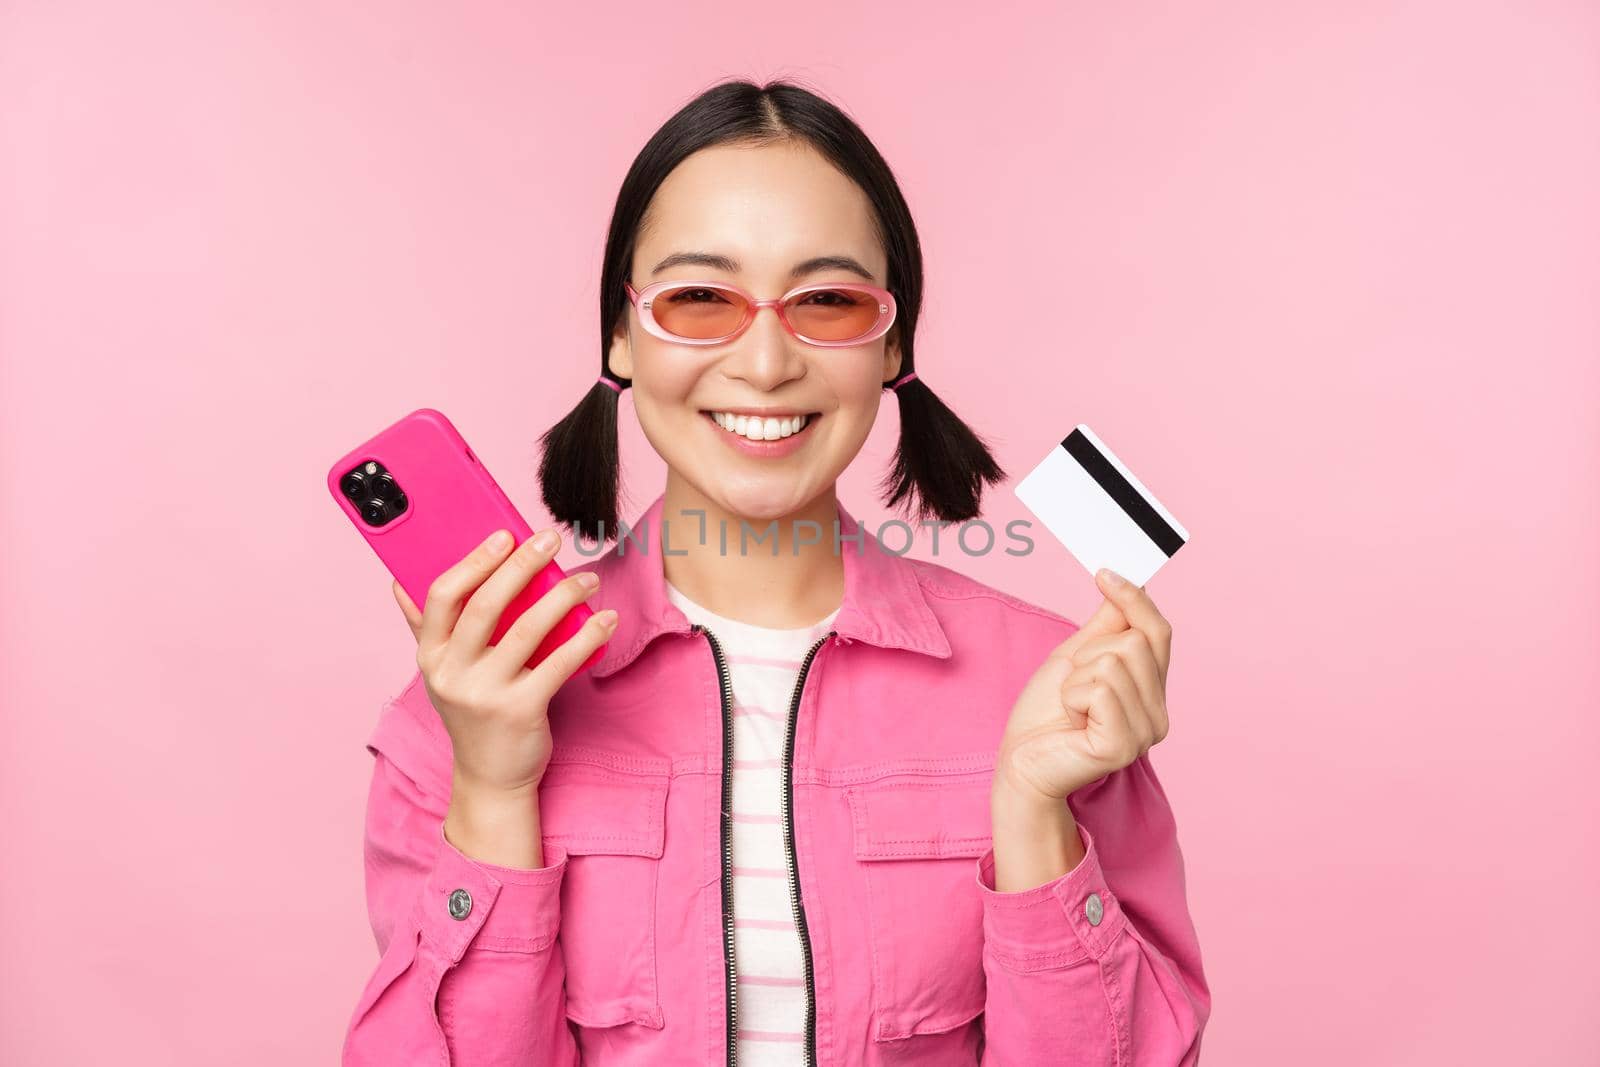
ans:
(607, 618)
(588, 579)
(1112, 577)
(498, 541)
(545, 541)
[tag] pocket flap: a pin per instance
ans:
(604, 803)
(922, 818)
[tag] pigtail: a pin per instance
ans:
(940, 461)
(579, 465)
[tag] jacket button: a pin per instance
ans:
(461, 904)
(1091, 907)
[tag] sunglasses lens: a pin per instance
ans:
(696, 312)
(833, 314)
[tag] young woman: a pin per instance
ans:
(817, 802)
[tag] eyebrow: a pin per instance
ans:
(726, 263)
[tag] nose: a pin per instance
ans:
(765, 355)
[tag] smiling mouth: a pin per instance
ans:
(755, 428)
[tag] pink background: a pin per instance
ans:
(1323, 275)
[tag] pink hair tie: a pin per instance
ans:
(895, 385)
(615, 387)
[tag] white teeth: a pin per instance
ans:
(758, 429)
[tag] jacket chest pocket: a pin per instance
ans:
(917, 840)
(608, 810)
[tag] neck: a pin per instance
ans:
(788, 586)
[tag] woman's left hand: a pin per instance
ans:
(1096, 704)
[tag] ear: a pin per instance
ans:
(619, 357)
(891, 354)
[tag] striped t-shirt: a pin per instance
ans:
(769, 963)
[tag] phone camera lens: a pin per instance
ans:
(353, 485)
(384, 486)
(375, 511)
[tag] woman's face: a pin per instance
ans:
(767, 209)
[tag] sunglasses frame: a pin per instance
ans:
(641, 298)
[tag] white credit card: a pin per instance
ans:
(1094, 506)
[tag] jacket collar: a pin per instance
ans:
(883, 601)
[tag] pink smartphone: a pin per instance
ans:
(423, 501)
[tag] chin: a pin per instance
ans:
(761, 499)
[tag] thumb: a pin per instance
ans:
(1107, 619)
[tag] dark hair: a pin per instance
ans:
(940, 464)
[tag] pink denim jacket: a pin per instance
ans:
(616, 952)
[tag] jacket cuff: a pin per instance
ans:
(508, 909)
(1072, 917)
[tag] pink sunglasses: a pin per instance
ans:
(833, 315)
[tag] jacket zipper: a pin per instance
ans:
(729, 973)
(810, 1053)
(787, 797)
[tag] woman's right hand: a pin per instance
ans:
(495, 709)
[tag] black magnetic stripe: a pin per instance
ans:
(1129, 499)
